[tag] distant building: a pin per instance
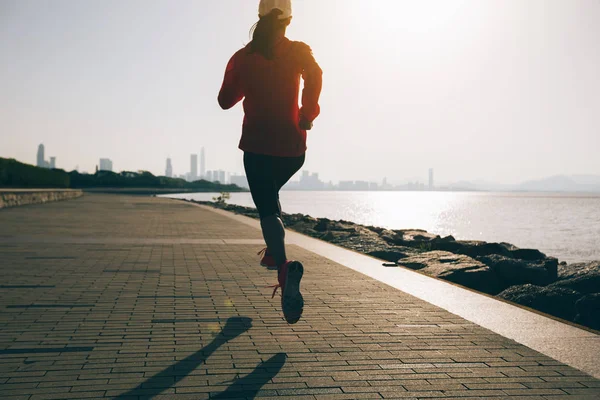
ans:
(209, 176)
(202, 163)
(240, 180)
(310, 182)
(361, 185)
(169, 169)
(219, 176)
(346, 185)
(52, 162)
(194, 167)
(106, 165)
(431, 179)
(385, 185)
(41, 161)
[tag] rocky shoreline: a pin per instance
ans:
(524, 276)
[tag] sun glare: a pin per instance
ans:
(412, 16)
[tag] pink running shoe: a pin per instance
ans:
(267, 259)
(292, 302)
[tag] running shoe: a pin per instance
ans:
(267, 259)
(292, 302)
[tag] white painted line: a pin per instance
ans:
(568, 344)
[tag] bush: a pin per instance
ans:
(222, 199)
(14, 174)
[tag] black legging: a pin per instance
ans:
(266, 176)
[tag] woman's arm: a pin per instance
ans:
(313, 83)
(231, 92)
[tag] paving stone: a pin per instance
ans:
(151, 283)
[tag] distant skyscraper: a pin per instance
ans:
(169, 169)
(41, 162)
(430, 178)
(209, 176)
(106, 165)
(220, 176)
(202, 163)
(52, 162)
(194, 167)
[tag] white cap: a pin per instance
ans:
(266, 6)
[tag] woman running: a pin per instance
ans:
(266, 74)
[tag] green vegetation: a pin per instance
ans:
(222, 199)
(14, 174)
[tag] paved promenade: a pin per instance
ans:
(137, 298)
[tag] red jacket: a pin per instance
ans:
(270, 89)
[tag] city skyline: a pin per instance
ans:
(306, 180)
(505, 91)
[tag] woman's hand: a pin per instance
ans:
(305, 124)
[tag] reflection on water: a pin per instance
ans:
(562, 225)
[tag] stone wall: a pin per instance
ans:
(16, 197)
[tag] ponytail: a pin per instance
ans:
(264, 33)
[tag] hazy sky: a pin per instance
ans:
(502, 90)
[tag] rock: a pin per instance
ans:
(582, 277)
(375, 229)
(551, 265)
(455, 268)
(509, 246)
(527, 254)
(325, 224)
(445, 239)
(328, 236)
(517, 272)
(415, 238)
(585, 284)
(588, 311)
(472, 248)
(322, 225)
(293, 219)
(572, 270)
(559, 302)
(387, 235)
(391, 254)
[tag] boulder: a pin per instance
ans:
(585, 284)
(559, 302)
(588, 311)
(375, 229)
(322, 225)
(526, 254)
(392, 254)
(517, 272)
(415, 238)
(472, 248)
(582, 277)
(445, 239)
(572, 270)
(325, 224)
(455, 268)
(293, 219)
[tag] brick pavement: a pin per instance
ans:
(138, 297)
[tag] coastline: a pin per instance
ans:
(527, 277)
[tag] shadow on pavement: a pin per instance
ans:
(233, 328)
(249, 386)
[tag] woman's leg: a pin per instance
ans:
(260, 171)
(272, 225)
